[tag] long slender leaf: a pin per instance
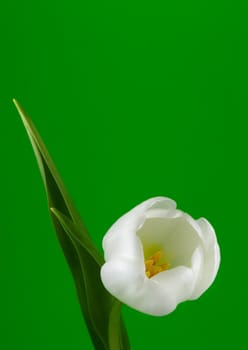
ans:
(116, 332)
(97, 305)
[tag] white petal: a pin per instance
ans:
(197, 264)
(211, 253)
(121, 239)
(172, 287)
(173, 233)
(207, 232)
(169, 213)
(155, 296)
(121, 277)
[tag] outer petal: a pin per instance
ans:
(211, 259)
(157, 296)
(122, 278)
(168, 289)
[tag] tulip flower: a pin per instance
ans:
(157, 256)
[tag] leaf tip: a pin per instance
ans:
(16, 103)
(19, 108)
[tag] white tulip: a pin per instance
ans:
(157, 257)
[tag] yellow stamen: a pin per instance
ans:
(149, 263)
(148, 274)
(157, 256)
(152, 266)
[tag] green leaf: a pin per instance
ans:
(113, 322)
(101, 311)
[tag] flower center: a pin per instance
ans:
(152, 264)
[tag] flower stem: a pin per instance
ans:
(118, 339)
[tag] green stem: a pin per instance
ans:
(117, 335)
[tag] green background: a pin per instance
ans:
(133, 99)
